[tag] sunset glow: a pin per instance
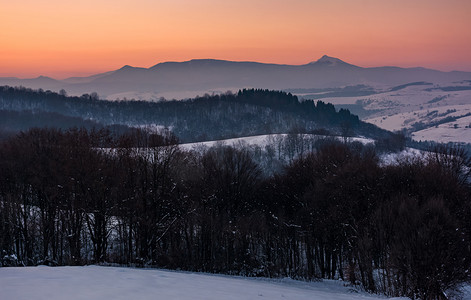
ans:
(76, 38)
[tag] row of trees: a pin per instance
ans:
(78, 197)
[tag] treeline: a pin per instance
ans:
(248, 112)
(11, 122)
(76, 197)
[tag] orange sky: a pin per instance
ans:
(61, 38)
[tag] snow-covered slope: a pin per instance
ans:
(428, 111)
(93, 282)
(264, 140)
(261, 141)
(454, 131)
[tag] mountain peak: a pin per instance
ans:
(130, 69)
(126, 67)
(329, 61)
(43, 77)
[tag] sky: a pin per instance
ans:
(63, 38)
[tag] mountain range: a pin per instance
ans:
(186, 79)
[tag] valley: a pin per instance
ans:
(424, 111)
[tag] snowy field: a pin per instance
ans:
(456, 131)
(427, 104)
(93, 282)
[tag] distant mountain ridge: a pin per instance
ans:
(212, 75)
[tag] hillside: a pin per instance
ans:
(249, 112)
(425, 110)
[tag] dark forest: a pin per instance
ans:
(77, 196)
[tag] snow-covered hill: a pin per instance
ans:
(427, 111)
(263, 140)
(93, 282)
(272, 140)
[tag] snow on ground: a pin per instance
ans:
(456, 131)
(405, 120)
(408, 154)
(465, 292)
(94, 282)
(398, 109)
(260, 140)
(406, 99)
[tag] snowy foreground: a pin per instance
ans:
(93, 282)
